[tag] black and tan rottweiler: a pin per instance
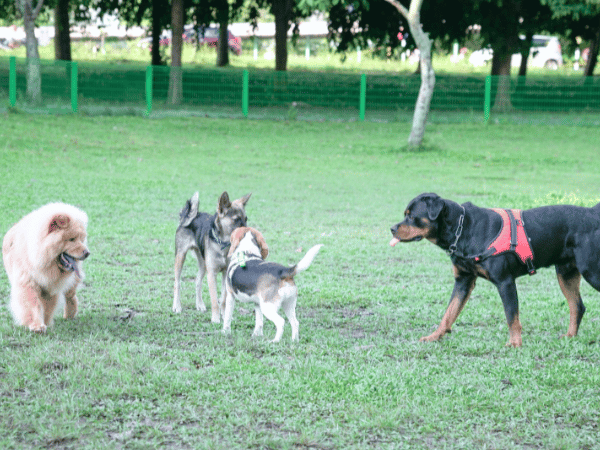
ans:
(501, 245)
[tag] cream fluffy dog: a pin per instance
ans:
(43, 256)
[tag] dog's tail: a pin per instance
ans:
(306, 261)
(189, 211)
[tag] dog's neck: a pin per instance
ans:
(449, 235)
(217, 236)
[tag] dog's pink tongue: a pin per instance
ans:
(394, 241)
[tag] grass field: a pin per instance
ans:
(130, 374)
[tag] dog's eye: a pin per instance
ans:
(72, 240)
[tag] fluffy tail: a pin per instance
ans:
(189, 211)
(307, 260)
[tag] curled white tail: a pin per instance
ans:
(308, 258)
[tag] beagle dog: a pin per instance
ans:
(269, 285)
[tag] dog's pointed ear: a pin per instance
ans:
(435, 205)
(264, 248)
(224, 203)
(58, 222)
(236, 236)
(245, 199)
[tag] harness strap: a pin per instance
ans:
(512, 237)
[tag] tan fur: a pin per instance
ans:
(31, 252)
(239, 234)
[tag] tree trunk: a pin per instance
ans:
(62, 39)
(590, 66)
(156, 32)
(282, 10)
(34, 75)
(423, 105)
(501, 69)
(175, 95)
(525, 49)
(223, 42)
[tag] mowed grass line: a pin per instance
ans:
(128, 373)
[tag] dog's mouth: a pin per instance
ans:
(395, 240)
(68, 263)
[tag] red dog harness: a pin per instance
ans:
(512, 238)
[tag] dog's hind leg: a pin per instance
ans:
(289, 307)
(569, 280)
(269, 309)
(179, 260)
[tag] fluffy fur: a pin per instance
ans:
(269, 285)
(43, 256)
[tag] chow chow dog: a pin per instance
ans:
(43, 255)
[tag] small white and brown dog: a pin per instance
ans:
(269, 285)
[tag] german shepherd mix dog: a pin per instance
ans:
(269, 286)
(43, 255)
(503, 244)
(208, 236)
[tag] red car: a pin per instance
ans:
(211, 37)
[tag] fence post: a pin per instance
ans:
(487, 98)
(74, 93)
(149, 82)
(245, 92)
(363, 96)
(12, 81)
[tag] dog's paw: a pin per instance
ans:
(215, 319)
(200, 306)
(176, 309)
(226, 331)
(431, 338)
(38, 328)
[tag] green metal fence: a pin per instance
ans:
(91, 88)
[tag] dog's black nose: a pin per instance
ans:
(85, 255)
(394, 229)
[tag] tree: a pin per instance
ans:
(62, 38)
(412, 16)
(30, 13)
(175, 94)
(582, 18)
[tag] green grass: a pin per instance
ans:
(128, 373)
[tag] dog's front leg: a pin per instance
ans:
(229, 301)
(212, 290)
(508, 293)
(463, 286)
(71, 303)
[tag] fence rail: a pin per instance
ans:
(121, 89)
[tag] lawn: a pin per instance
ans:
(128, 373)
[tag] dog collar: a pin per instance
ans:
(459, 230)
(241, 259)
(218, 240)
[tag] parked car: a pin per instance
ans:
(210, 37)
(545, 52)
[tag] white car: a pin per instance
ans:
(545, 52)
